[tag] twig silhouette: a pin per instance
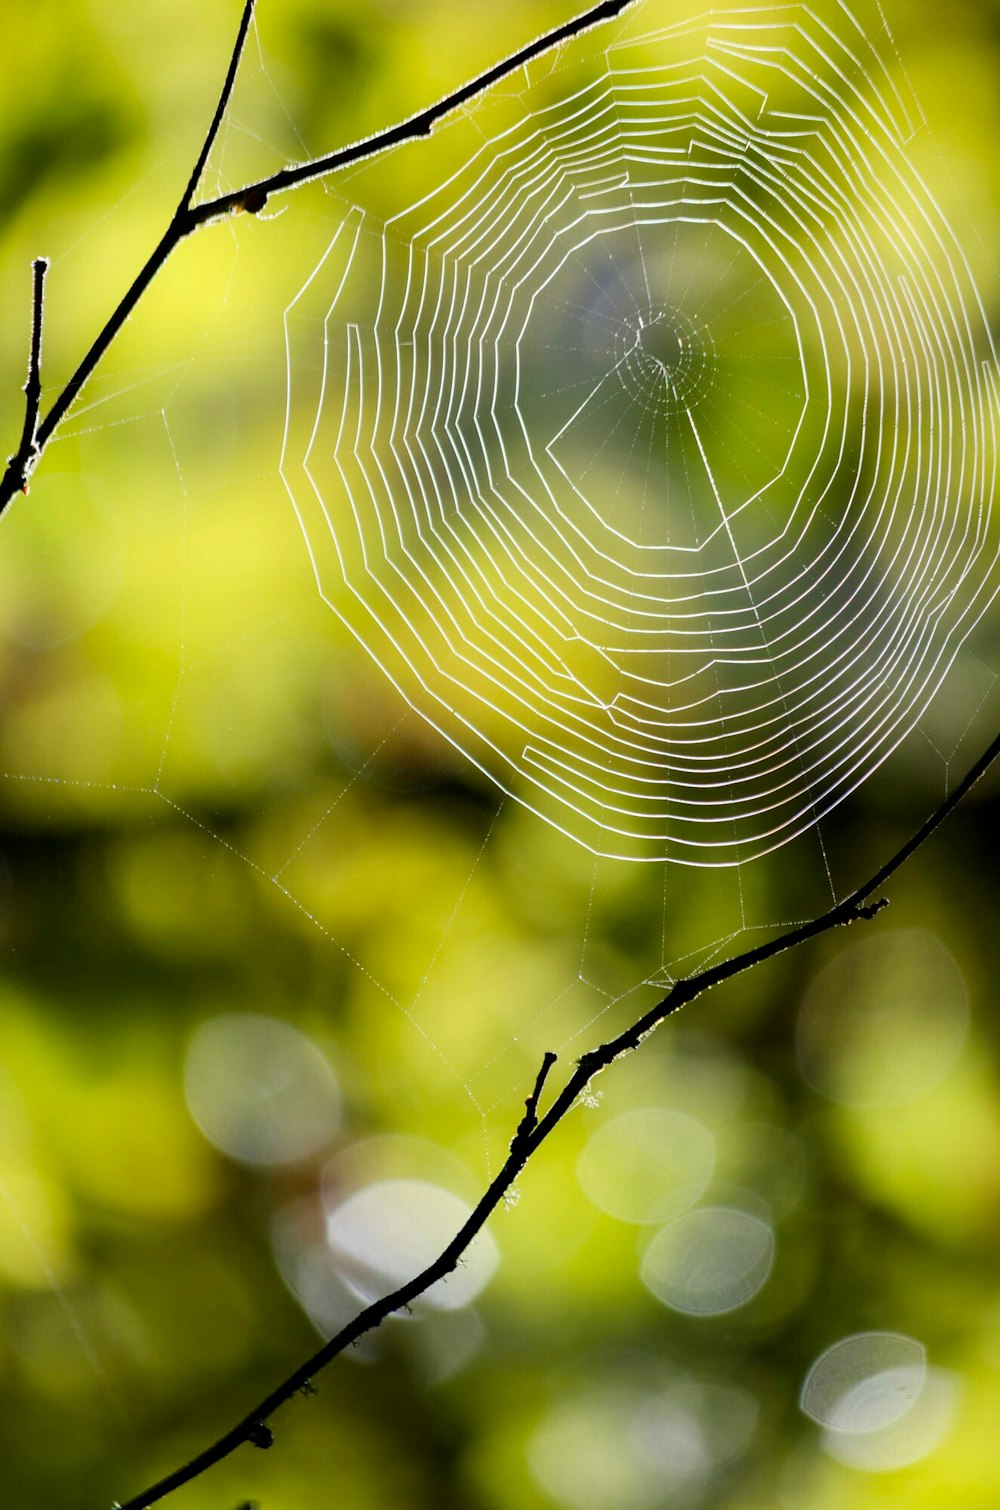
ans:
(534, 1129)
(21, 464)
(189, 217)
(180, 226)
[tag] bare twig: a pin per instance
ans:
(529, 1121)
(220, 110)
(37, 437)
(179, 227)
(252, 197)
(532, 1132)
(20, 465)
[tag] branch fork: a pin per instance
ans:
(251, 199)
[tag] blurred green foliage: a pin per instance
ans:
(210, 804)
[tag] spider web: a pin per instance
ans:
(667, 429)
(640, 429)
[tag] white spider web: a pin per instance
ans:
(652, 453)
(642, 429)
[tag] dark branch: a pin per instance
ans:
(60, 407)
(529, 1121)
(180, 226)
(532, 1132)
(253, 197)
(33, 443)
(220, 109)
(19, 466)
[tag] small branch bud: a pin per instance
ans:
(253, 201)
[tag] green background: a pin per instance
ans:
(182, 715)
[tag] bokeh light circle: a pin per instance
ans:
(390, 1231)
(709, 1261)
(884, 1021)
(647, 1165)
(260, 1090)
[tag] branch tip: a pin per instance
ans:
(529, 1121)
(220, 109)
(21, 464)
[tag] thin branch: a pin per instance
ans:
(33, 387)
(220, 109)
(253, 197)
(57, 413)
(20, 465)
(181, 225)
(28, 453)
(529, 1121)
(532, 1132)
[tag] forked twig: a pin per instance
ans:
(180, 226)
(189, 217)
(532, 1132)
(254, 196)
(21, 464)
